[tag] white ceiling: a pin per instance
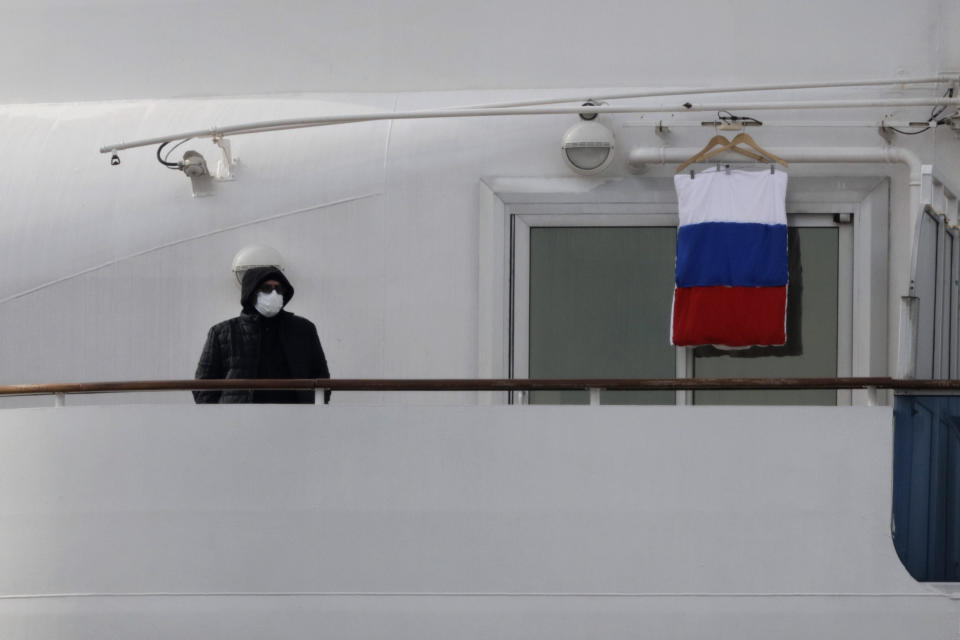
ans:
(69, 50)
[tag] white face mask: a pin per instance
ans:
(269, 304)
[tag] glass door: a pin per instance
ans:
(600, 308)
(594, 301)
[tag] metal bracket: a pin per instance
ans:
(226, 162)
(594, 396)
(843, 218)
(202, 186)
(954, 124)
(730, 126)
(885, 132)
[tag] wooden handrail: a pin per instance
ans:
(577, 384)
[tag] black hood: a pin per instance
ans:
(256, 276)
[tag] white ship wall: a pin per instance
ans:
(119, 271)
(114, 273)
(409, 521)
(62, 50)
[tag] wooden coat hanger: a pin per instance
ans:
(709, 151)
(744, 138)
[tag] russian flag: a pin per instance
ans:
(731, 272)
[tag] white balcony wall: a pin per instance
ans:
(474, 522)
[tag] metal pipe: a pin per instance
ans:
(577, 384)
(787, 124)
(667, 155)
(705, 90)
(296, 123)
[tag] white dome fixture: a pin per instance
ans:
(255, 255)
(588, 147)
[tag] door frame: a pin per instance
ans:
(508, 206)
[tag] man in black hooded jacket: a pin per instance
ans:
(264, 341)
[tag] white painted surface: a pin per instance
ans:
(714, 523)
(55, 50)
(416, 522)
(116, 272)
(224, 522)
(119, 271)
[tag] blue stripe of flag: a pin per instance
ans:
(733, 254)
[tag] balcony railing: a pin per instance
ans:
(593, 385)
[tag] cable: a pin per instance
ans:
(163, 160)
(173, 148)
(935, 113)
(909, 133)
(732, 118)
(169, 165)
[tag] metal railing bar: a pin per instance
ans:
(439, 384)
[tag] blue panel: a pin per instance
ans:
(953, 498)
(918, 515)
(926, 481)
(733, 254)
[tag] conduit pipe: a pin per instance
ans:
(667, 155)
(299, 123)
(906, 353)
(692, 91)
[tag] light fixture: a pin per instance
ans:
(255, 255)
(195, 168)
(193, 165)
(588, 147)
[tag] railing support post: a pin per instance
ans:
(59, 399)
(594, 396)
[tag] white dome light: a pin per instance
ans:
(588, 147)
(255, 255)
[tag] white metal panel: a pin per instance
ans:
(655, 522)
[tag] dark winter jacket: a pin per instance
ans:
(232, 349)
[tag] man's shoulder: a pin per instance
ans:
(227, 325)
(294, 320)
(288, 318)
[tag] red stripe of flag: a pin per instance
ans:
(732, 316)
